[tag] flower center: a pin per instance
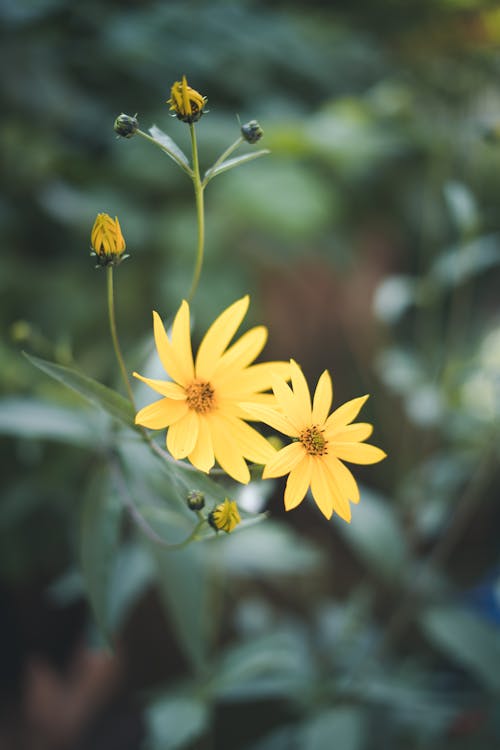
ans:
(200, 397)
(313, 440)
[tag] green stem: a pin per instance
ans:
(114, 335)
(200, 213)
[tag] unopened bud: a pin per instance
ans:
(126, 126)
(195, 500)
(251, 131)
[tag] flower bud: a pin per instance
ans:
(225, 516)
(107, 241)
(251, 131)
(126, 126)
(195, 500)
(185, 102)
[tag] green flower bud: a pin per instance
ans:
(126, 126)
(251, 131)
(195, 500)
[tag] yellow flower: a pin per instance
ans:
(321, 443)
(201, 407)
(107, 240)
(225, 517)
(187, 103)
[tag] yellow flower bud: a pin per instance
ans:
(185, 102)
(225, 516)
(107, 240)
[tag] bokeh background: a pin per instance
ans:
(369, 241)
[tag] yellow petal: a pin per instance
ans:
(165, 387)
(345, 414)
(202, 456)
(298, 483)
(226, 451)
(290, 405)
(218, 336)
(357, 453)
(322, 487)
(352, 433)
(161, 413)
(173, 365)
(269, 416)
(255, 378)
(348, 486)
(182, 435)
(240, 354)
(252, 445)
(303, 410)
(323, 397)
(181, 340)
(284, 461)
(340, 499)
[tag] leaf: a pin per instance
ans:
(231, 163)
(462, 262)
(133, 571)
(281, 552)
(100, 527)
(174, 721)
(376, 536)
(471, 642)
(93, 391)
(346, 725)
(274, 664)
(170, 147)
(183, 583)
(36, 419)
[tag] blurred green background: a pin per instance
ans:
(369, 241)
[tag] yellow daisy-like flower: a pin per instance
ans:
(225, 516)
(201, 408)
(187, 103)
(322, 442)
(107, 240)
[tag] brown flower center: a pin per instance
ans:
(313, 440)
(200, 396)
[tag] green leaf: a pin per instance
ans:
(93, 391)
(100, 528)
(183, 583)
(339, 727)
(36, 419)
(472, 643)
(170, 147)
(231, 163)
(175, 721)
(376, 536)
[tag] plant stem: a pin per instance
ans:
(114, 335)
(200, 213)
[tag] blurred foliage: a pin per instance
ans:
(370, 242)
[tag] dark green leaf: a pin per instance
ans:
(345, 725)
(100, 527)
(471, 642)
(169, 146)
(175, 721)
(93, 391)
(235, 162)
(32, 418)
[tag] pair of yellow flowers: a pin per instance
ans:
(207, 404)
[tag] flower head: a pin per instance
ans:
(201, 405)
(107, 240)
(185, 102)
(321, 443)
(225, 516)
